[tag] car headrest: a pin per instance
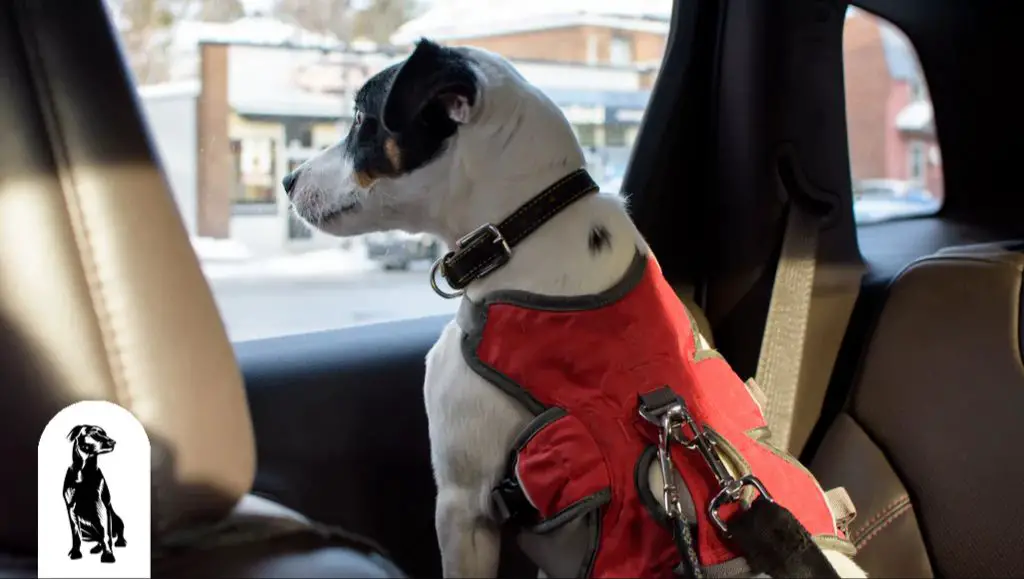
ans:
(101, 294)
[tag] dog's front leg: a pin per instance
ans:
(472, 425)
(470, 542)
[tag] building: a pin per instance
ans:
(253, 99)
(889, 115)
(592, 32)
(626, 39)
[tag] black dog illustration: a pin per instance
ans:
(87, 495)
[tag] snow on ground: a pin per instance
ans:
(209, 249)
(324, 263)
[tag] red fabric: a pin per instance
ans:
(594, 363)
(562, 464)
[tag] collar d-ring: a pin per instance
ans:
(434, 271)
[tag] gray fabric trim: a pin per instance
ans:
(737, 567)
(593, 521)
(579, 508)
(536, 425)
(472, 317)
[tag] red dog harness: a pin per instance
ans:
(589, 367)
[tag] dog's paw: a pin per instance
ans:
(120, 543)
(107, 557)
(96, 549)
(74, 554)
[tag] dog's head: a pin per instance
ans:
(90, 440)
(432, 137)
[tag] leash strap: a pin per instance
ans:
(490, 246)
(776, 544)
(771, 539)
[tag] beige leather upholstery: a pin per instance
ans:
(101, 297)
(929, 446)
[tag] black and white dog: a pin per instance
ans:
(449, 139)
(87, 496)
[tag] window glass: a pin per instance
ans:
(895, 163)
(237, 93)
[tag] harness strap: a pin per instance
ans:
(510, 504)
(490, 246)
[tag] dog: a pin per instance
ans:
(87, 496)
(443, 142)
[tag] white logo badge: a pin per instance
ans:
(94, 494)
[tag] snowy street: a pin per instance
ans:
(320, 290)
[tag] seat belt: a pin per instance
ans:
(810, 302)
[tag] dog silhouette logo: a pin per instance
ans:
(87, 495)
(94, 494)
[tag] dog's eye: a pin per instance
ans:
(358, 118)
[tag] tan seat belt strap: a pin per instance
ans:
(785, 331)
(811, 302)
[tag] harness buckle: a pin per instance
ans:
(666, 409)
(509, 503)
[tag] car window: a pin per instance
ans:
(895, 160)
(239, 92)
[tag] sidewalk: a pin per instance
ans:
(228, 260)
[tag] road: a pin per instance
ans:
(261, 308)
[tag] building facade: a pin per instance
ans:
(889, 115)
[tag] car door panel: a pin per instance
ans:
(341, 431)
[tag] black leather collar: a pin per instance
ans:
(489, 246)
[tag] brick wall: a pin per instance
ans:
(216, 164)
(868, 87)
(571, 44)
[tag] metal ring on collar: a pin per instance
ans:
(434, 270)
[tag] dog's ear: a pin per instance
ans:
(76, 431)
(432, 78)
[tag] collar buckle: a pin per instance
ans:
(481, 235)
(486, 233)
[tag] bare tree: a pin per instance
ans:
(326, 17)
(147, 28)
(221, 10)
(381, 19)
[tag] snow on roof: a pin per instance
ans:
(296, 104)
(463, 19)
(170, 89)
(251, 29)
(916, 117)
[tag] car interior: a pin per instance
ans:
(302, 455)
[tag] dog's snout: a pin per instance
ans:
(289, 181)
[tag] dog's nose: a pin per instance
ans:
(289, 181)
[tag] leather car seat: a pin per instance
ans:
(929, 442)
(101, 297)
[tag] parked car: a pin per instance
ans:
(877, 200)
(396, 250)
